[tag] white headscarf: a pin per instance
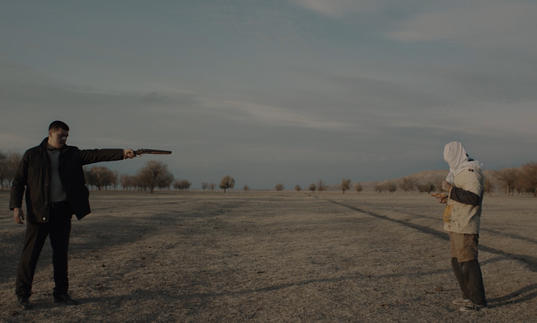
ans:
(457, 158)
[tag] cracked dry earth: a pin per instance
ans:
(267, 256)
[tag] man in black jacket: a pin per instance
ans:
(52, 179)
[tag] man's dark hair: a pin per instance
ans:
(58, 125)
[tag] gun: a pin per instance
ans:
(138, 152)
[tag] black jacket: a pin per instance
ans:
(33, 175)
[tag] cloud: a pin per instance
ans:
(380, 94)
(489, 24)
(273, 115)
(497, 119)
(339, 8)
(493, 83)
(29, 103)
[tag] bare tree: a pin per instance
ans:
(298, 188)
(204, 186)
(387, 186)
(426, 187)
(9, 163)
(13, 162)
(529, 178)
(227, 182)
(312, 187)
(212, 186)
(407, 184)
(154, 174)
(3, 169)
(345, 185)
(488, 185)
(279, 187)
(379, 188)
(101, 177)
(128, 182)
(182, 184)
(358, 187)
(321, 186)
(508, 177)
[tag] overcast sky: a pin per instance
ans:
(280, 91)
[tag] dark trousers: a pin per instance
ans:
(470, 280)
(58, 229)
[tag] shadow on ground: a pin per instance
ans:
(529, 261)
(95, 235)
(519, 296)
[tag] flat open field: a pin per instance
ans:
(267, 256)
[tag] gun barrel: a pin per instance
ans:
(152, 151)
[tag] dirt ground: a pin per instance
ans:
(267, 256)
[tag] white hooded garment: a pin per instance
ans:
(464, 174)
(457, 158)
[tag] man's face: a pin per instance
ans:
(57, 137)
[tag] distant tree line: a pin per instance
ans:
(155, 175)
(410, 183)
(182, 184)
(345, 185)
(101, 177)
(9, 162)
(520, 180)
(208, 186)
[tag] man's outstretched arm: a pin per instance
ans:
(90, 156)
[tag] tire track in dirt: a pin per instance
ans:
(529, 261)
(503, 234)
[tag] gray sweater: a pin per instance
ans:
(57, 193)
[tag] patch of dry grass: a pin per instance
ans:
(276, 256)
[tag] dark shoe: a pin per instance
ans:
(65, 299)
(24, 303)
